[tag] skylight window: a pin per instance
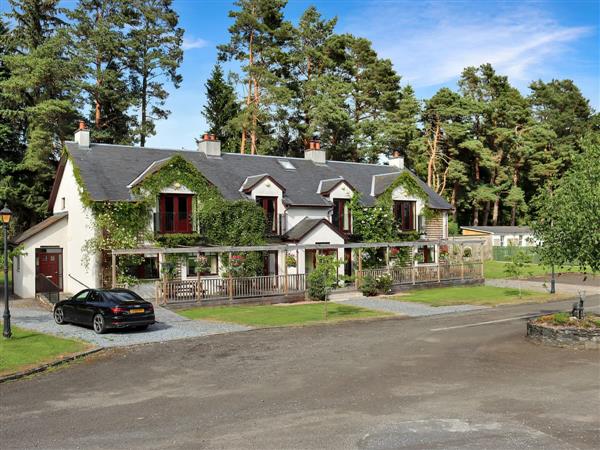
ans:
(286, 164)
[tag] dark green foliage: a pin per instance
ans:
(154, 54)
(101, 47)
(37, 105)
(567, 216)
(368, 286)
(179, 240)
(221, 109)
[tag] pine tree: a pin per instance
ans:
(154, 55)
(40, 97)
(221, 108)
(101, 46)
(257, 38)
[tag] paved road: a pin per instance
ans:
(372, 384)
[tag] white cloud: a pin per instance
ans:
(430, 44)
(191, 43)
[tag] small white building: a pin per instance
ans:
(305, 201)
(502, 236)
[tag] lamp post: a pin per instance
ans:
(5, 216)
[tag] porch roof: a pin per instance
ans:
(37, 228)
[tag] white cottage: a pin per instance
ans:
(305, 201)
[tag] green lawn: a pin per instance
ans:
(495, 269)
(270, 315)
(473, 295)
(27, 348)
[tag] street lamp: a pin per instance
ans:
(5, 215)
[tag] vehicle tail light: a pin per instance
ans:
(118, 310)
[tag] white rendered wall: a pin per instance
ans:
(296, 214)
(80, 228)
(24, 277)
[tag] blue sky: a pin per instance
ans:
(429, 42)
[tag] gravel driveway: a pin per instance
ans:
(169, 326)
(405, 308)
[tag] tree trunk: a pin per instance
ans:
(453, 201)
(496, 211)
(144, 108)
(476, 205)
(513, 212)
(486, 213)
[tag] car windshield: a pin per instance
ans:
(121, 296)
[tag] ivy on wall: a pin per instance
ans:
(377, 223)
(126, 224)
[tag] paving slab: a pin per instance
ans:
(170, 326)
(410, 309)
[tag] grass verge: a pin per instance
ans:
(26, 349)
(495, 269)
(282, 315)
(474, 295)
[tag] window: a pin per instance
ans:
(341, 218)
(286, 164)
(63, 203)
(207, 264)
(147, 269)
(269, 206)
(404, 213)
(18, 263)
(81, 296)
(175, 213)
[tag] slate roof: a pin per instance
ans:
(305, 226)
(500, 229)
(107, 170)
(39, 227)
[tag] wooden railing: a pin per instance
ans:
(174, 291)
(425, 273)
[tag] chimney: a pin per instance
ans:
(209, 145)
(397, 160)
(314, 152)
(82, 135)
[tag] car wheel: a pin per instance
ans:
(98, 323)
(59, 316)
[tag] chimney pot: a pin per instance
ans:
(209, 145)
(397, 160)
(315, 153)
(82, 135)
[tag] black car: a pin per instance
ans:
(105, 308)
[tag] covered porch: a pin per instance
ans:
(182, 277)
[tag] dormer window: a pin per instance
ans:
(175, 213)
(341, 218)
(269, 206)
(404, 213)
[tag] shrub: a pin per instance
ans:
(368, 286)
(323, 278)
(384, 283)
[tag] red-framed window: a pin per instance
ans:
(342, 217)
(404, 213)
(269, 206)
(175, 211)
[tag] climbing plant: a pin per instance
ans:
(125, 224)
(377, 223)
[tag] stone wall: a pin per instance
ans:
(564, 337)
